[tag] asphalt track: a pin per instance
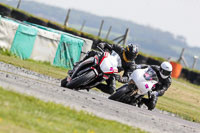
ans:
(47, 89)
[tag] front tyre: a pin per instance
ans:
(120, 93)
(81, 79)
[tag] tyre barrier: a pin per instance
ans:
(152, 61)
(5, 11)
(19, 15)
(141, 59)
(193, 77)
(197, 80)
(37, 21)
(184, 73)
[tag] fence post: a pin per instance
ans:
(82, 26)
(67, 18)
(125, 36)
(195, 61)
(18, 5)
(182, 52)
(182, 58)
(99, 34)
(108, 32)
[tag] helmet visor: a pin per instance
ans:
(130, 56)
(165, 73)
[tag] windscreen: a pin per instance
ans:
(150, 75)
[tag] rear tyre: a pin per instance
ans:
(64, 82)
(78, 81)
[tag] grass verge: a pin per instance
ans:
(41, 67)
(182, 99)
(25, 114)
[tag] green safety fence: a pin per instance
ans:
(24, 41)
(68, 51)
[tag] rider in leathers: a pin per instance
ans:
(127, 56)
(164, 76)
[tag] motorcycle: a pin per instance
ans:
(92, 71)
(141, 82)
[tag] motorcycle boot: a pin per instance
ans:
(105, 88)
(140, 103)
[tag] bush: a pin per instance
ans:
(5, 10)
(38, 21)
(55, 26)
(19, 15)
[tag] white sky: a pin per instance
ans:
(180, 17)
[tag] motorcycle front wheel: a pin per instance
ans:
(81, 79)
(120, 93)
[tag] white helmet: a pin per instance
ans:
(165, 69)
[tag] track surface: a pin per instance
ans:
(47, 89)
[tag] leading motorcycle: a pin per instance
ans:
(92, 71)
(141, 82)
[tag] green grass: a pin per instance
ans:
(182, 99)
(40, 67)
(25, 114)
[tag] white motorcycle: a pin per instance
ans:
(92, 71)
(141, 83)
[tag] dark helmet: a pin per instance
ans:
(131, 52)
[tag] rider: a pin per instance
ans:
(127, 56)
(164, 76)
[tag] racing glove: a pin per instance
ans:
(154, 94)
(121, 79)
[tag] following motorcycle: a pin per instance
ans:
(92, 71)
(141, 82)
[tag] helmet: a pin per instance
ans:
(131, 52)
(165, 69)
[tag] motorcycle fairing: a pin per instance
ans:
(83, 64)
(142, 84)
(108, 64)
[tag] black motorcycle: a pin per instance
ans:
(91, 71)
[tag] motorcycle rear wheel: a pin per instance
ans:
(64, 82)
(78, 81)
